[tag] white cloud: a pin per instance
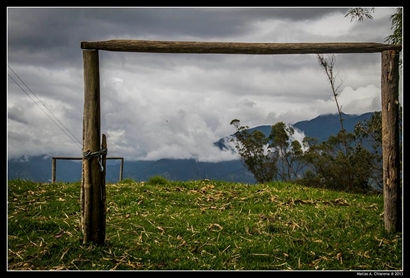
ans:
(298, 135)
(363, 99)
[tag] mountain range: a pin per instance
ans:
(320, 127)
(38, 168)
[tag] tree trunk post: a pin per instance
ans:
(390, 140)
(53, 170)
(93, 180)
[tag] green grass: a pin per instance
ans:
(201, 225)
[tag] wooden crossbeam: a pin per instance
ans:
(237, 47)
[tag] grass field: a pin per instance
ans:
(201, 225)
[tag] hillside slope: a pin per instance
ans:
(201, 225)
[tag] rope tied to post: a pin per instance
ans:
(88, 155)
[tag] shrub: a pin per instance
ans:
(333, 166)
(157, 180)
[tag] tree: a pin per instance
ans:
(396, 26)
(267, 158)
(289, 152)
(328, 65)
(256, 157)
(396, 37)
(359, 14)
(329, 167)
(370, 133)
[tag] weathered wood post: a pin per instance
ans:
(53, 170)
(93, 181)
(122, 169)
(390, 140)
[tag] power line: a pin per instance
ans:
(50, 116)
(43, 107)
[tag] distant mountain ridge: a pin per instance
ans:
(323, 126)
(320, 127)
(38, 168)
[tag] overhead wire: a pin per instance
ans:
(43, 107)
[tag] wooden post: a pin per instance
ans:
(53, 170)
(390, 140)
(92, 179)
(121, 169)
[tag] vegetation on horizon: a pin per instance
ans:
(349, 161)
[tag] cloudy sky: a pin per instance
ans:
(176, 105)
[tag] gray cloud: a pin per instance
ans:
(171, 105)
(47, 35)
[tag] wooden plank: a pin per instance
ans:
(236, 47)
(390, 140)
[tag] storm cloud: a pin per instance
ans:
(177, 105)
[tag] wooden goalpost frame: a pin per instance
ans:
(93, 206)
(54, 165)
